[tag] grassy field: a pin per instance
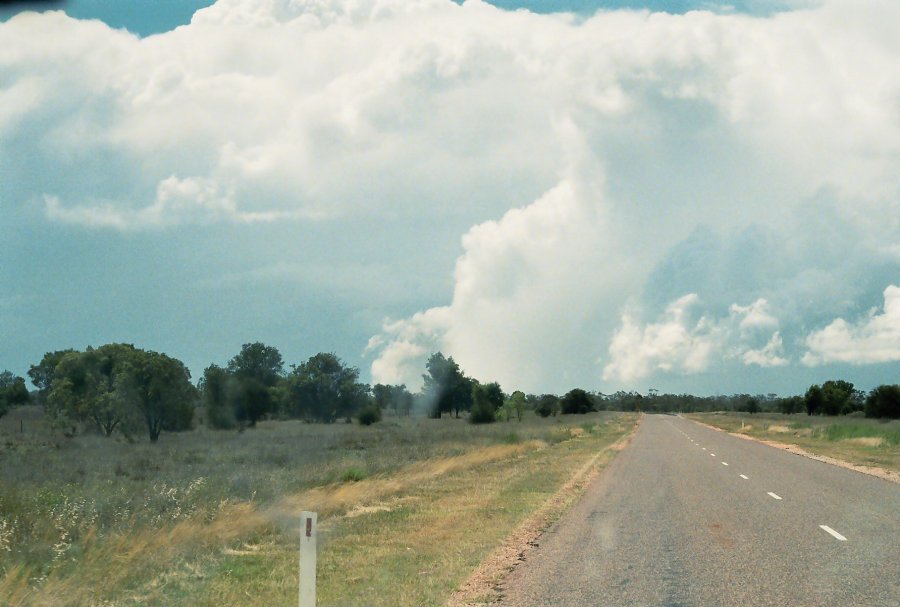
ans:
(407, 508)
(861, 441)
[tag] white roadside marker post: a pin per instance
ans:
(308, 559)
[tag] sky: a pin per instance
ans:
(686, 196)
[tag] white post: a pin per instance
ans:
(308, 559)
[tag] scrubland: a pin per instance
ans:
(407, 507)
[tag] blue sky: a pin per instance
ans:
(701, 202)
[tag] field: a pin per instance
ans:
(857, 440)
(407, 508)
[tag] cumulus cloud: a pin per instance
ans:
(601, 167)
(875, 339)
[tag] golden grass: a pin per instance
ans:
(406, 538)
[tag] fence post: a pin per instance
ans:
(308, 559)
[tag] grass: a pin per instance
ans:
(407, 508)
(866, 442)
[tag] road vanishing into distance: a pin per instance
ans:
(690, 517)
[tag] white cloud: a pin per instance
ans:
(675, 343)
(601, 144)
(876, 339)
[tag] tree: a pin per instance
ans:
(884, 401)
(482, 410)
(792, 404)
(837, 397)
(446, 387)
(547, 405)
(752, 406)
(397, 398)
(257, 368)
(369, 414)
(41, 374)
(813, 400)
(576, 401)
(324, 389)
(217, 390)
(515, 405)
(12, 391)
(161, 389)
(89, 387)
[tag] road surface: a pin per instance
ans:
(689, 517)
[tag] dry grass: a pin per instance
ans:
(423, 515)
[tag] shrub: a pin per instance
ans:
(482, 408)
(576, 401)
(547, 405)
(368, 415)
(353, 474)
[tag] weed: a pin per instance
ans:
(353, 474)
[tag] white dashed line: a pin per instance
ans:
(712, 454)
(704, 448)
(834, 533)
(744, 477)
(773, 496)
(724, 463)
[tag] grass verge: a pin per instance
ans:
(405, 528)
(861, 442)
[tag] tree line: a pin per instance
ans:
(120, 388)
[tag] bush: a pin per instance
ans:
(576, 401)
(353, 474)
(368, 415)
(482, 408)
(884, 401)
(547, 405)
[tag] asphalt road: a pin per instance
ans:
(687, 517)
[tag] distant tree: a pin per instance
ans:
(161, 389)
(257, 369)
(515, 405)
(547, 405)
(446, 387)
(483, 409)
(369, 414)
(884, 401)
(837, 397)
(324, 389)
(494, 394)
(576, 401)
(12, 391)
(396, 398)
(90, 386)
(41, 374)
(813, 400)
(791, 404)
(218, 391)
(752, 406)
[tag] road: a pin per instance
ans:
(689, 517)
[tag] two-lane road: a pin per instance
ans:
(688, 516)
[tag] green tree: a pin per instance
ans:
(12, 391)
(446, 387)
(324, 389)
(483, 410)
(396, 398)
(369, 414)
(752, 406)
(813, 400)
(547, 405)
(90, 386)
(576, 401)
(41, 374)
(884, 401)
(791, 404)
(217, 391)
(837, 397)
(161, 389)
(257, 369)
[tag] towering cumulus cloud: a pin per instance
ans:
(639, 197)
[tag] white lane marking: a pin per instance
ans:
(745, 477)
(836, 535)
(773, 496)
(704, 448)
(724, 463)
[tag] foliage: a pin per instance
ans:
(814, 400)
(12, 391)
(839, 397)
(547, 405)
(483, 409)
(884, 401)
(369, 414)
(514, 406)
(324, 389)
(446, 387)
(41, 374)
(397, 398)
(576, 401)
(160, 387)
(258, 362)
(217, 389)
